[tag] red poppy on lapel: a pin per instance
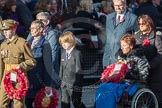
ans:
(28, 45)
(146, 42)
(122, 20)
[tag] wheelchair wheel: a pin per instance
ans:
(144, 98)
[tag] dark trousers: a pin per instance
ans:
(157, 89)
(29, 102)
(155, 81)
(74, 95)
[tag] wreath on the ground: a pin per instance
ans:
(114, 72)
(16, 90)
(42, 101)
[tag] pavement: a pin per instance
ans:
(88, 96)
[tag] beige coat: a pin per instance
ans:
(18, 53)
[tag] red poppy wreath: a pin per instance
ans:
(21, 88)
(42, 101)
(114, 72)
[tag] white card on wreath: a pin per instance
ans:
(50, 94)
(94, 38)
(117, 67)
(13, 77)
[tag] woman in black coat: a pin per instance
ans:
(86, 17)
(148, 8)
(154, 54)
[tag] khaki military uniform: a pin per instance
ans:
(17, 54)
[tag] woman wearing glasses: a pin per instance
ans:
(147, 34)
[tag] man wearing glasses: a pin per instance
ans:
(118, 23)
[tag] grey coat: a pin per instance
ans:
(71, 69)
(156, 41)
(114, 33)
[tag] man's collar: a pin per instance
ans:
(15, 38)
(122, 15)
(69, 51)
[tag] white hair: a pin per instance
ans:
(124, 1)
(44, 14)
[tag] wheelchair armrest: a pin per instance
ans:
(130, 81)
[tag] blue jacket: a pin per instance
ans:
(40, 76)
(51, 35)
(108, 94)
(115, 32)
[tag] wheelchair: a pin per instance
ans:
(142, 98)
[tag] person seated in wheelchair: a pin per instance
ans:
(111, 90)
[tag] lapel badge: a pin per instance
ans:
(69, 56)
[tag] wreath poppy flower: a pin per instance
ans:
(146, 42)
(22, 82)
(112, 74)
(42, 101)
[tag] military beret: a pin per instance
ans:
(8, 24)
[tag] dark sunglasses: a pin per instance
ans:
(142, 23)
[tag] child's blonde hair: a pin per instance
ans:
(67, 37)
